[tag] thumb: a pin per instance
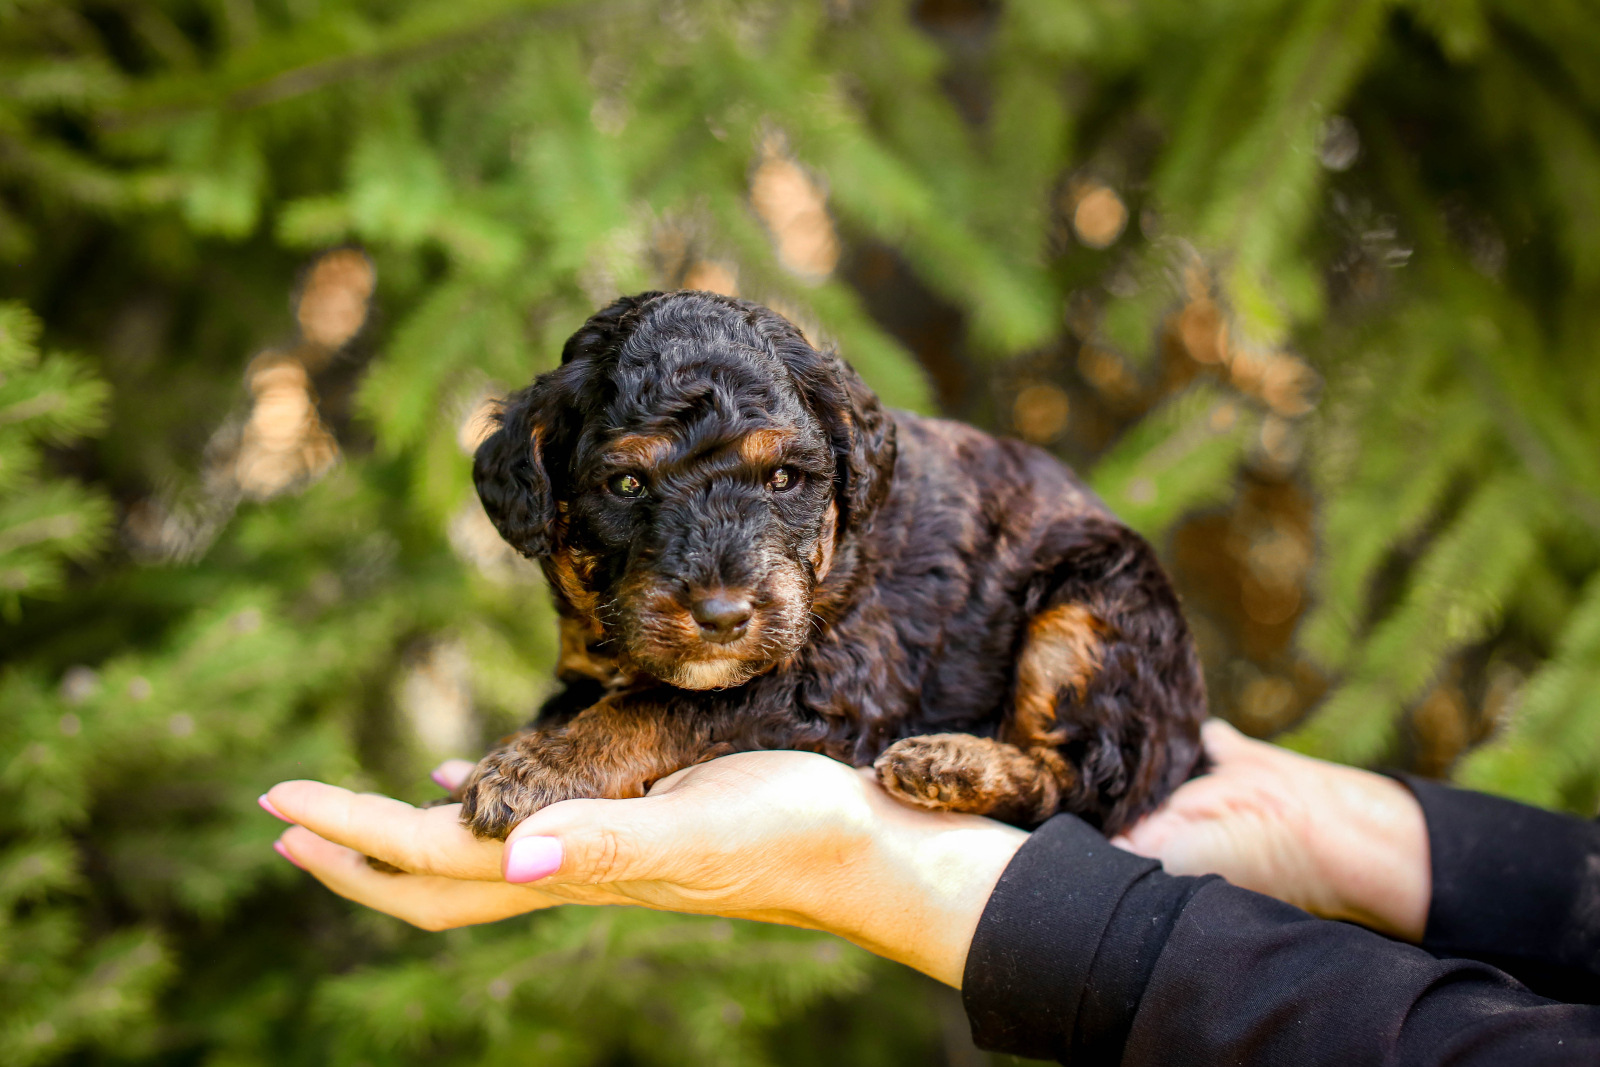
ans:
(1147, 837)
(452, 774)
(593, 842)
(1223, 741)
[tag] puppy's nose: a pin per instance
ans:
(723, 616)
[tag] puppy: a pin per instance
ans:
(747, 551)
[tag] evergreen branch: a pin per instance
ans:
(1456, 595)
(1552, 27)
(1179, 458)
(1575, 473)
(42, 530)
(1413, 453)
(51, 400)
(429, 33)
(1551, 727)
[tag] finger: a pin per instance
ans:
(428, 901)
(1145, 838)
(421, 840)
(452, 774)
(1223, 742)
(708, 827)
(594, 842)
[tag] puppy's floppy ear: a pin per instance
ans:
(864, 445)
(510, 474)
(512, 467)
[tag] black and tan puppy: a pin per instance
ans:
(748, 552)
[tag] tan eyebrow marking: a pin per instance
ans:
(641, 449)
(760, 447)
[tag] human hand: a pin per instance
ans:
(1339, 842)
(785, 837)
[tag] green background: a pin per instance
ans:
(1309, 290)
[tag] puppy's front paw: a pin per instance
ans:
(509, 785)
(936, 772)
(977, 775)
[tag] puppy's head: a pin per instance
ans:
(686, 477)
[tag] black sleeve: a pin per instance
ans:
(1089, 955)
(1514, 886)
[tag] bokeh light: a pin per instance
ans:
(793, 208)
(334, 298)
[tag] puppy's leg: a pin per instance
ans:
(618, 748)
(1023, 777)
(976, 775)
(1107, 698)
(1107, 694)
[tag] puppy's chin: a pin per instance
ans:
(712, 673)
(693, 664)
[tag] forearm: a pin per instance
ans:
(1091, 956)
(1514, 885)
(1246, 979)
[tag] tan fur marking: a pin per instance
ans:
(761, 447)
(577, 658)
(615, 749)
(569, 572)
(1064, 650)
(639, 449)
(660, 637)
(822, 555)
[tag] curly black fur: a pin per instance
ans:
(749, 552)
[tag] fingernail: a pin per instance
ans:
(441, 781)
(533, 858)
(266, 806)
(277, 846)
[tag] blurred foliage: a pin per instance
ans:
(1309, 289)
(43, 522)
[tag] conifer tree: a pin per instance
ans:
(1308, 290)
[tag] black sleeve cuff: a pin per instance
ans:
(1510, 882)
(1036, 983)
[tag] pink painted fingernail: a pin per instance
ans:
(441, 781)
(277, 846)
(266, 806)
(533, 858)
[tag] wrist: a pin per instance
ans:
(1375, 854)
(920, 884)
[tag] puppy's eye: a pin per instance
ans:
(783, 479)
(626, 485)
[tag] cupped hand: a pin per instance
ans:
(1339, 842)
(786, 837)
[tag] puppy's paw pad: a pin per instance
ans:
(937, 772)
(508, 786)
(504, 790)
